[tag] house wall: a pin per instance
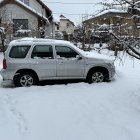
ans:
(13, 11)
(51, 29)
(35, 5)
(64, 28)
(48, 30)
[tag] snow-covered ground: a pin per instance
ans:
(77, 111)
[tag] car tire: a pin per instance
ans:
(25, 79)
(96, 76)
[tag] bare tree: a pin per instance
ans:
(130, 44)
(6, 26)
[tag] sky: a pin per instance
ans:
(75, 12)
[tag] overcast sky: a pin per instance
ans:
(68, 9)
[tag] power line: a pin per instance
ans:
(71, 14)
(56, 2)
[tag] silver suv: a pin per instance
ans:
(30, 60)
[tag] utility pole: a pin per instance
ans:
(52, 29)
(83, 31)
(84, 18)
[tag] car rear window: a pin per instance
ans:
(19, 51)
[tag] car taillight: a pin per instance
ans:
(4, 64)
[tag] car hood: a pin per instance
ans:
(94, 55)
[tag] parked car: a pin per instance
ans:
(30, 60)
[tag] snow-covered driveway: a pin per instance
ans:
(80, 111)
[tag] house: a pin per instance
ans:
(25, 18)
(56, 34)
(66, 27)
(55, 30)
(120, 22)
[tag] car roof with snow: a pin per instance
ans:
(30, 41)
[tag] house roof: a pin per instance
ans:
(44, 5)
(107, 13)
(62, 17)
(3, 2)
(48, 11)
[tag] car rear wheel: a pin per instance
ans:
(25, 80)
(96, 76)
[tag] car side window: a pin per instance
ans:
(43, 51)
(65, 52)
(19, 51)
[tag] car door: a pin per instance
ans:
(43, 61)
(67, 62)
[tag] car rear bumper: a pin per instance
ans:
(7, 74)
(7, 83)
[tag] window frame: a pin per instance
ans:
(11, 50)
(68, 25)
(16, 27)
(67, 47)
(42, 57)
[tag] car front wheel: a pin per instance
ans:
(96, 76)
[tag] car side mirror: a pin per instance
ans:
(78, 57)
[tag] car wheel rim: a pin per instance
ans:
(26, 81)
(97, 77)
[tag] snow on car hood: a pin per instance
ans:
(98, 56)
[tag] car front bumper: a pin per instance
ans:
(112, 73)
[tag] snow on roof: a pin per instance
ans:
(110, 11)
(62, 17)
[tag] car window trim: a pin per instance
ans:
(63, 45)
(42, 45)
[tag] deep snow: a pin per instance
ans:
(77, 111)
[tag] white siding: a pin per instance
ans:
(16, 12)
(13, 11)
(63, 26)
(35, 5)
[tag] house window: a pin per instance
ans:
(20, 27)
(25, 2)
(68, 25)
(57, 27)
